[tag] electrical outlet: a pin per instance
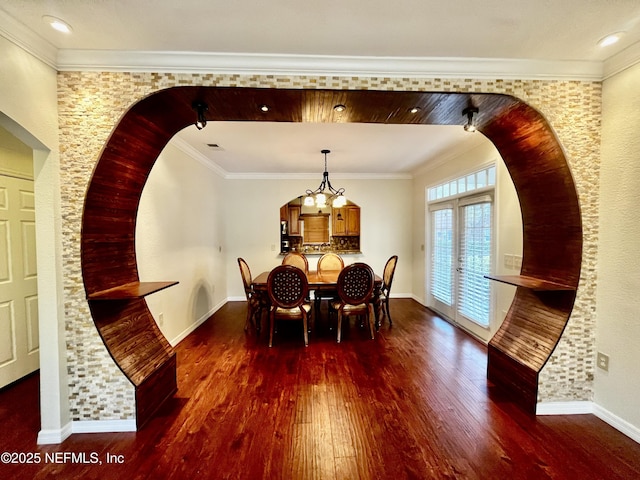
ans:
(603, 361)
(517, 262)
(508, 261)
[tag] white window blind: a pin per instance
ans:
(442, 255)
(475, 258)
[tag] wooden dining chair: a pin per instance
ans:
(288, 289)
(297, 260)
(355, 293)
(327, 262)
(330, 261)
(387, 280)
(256, 301)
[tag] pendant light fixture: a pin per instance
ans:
(318, 197)
(469, 126)
(201, 108)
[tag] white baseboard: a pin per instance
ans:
(50, 437)
(581, 408)
(616, 422)
(417, 299)
(185, 333)
(104, 426)
(564, 408)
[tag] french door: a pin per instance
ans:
(461, 245)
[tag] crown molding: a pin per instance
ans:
(318, 176)
(621, 61)
(276, 64)
(194, 154)
(28, 40)
(270, 64)
(281, 64)
(475, 140)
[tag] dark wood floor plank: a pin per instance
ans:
(412, 404)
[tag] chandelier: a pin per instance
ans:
(319, 198)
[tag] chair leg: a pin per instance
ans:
(249, 317)
(339, 327)
(386, 306)
(371, 318)
(272, 322)
(258, 319)
(306, 330)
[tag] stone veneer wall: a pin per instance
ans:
(90, 105)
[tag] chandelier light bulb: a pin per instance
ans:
(336, 195)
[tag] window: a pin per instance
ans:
(474, 181)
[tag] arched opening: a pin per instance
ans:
(552, 232)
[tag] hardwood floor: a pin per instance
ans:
(412, 404)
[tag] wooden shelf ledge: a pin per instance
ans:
(130, 290)
(532, 283)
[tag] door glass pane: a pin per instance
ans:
(442, 255)
(475, 262)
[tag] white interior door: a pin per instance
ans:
(461, 245)
(19, 344)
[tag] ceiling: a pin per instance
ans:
(464, 33)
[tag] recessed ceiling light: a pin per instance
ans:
(339, 108)
(264, 108)
(610, 39)
(415, 110)
(57, 24)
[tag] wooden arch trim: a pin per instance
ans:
(552, 233)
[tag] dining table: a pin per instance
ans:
(325, 280)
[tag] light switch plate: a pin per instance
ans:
(603, 361)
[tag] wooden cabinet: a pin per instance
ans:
(345, 221)
(294, 219)
(353, 220)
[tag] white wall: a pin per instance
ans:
(180, 236)
(507, 217)
(618, 294)
(29, 110)
(253, 221)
